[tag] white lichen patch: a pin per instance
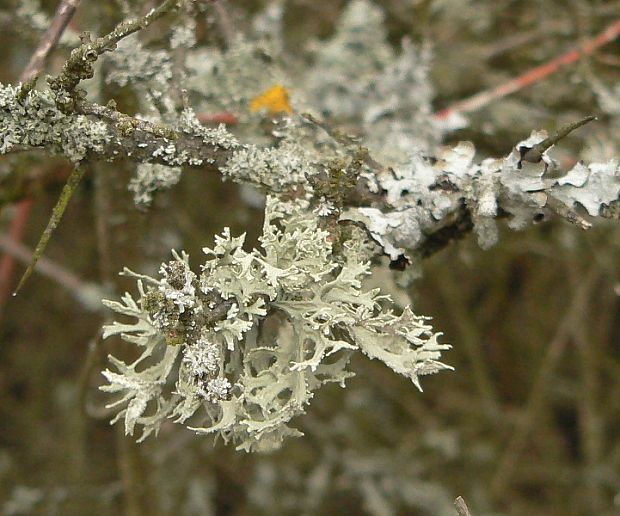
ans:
(150, 178)
(591, 186)
(218, 136)
(275, 168)
(132, 64)
(421, 193)
(35, 121)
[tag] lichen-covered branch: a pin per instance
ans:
(284, 311)
(429, 202)
(418, 206)
(33, 121)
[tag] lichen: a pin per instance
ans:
(421, 193)
(240, 349)
(273, 168)
(35, 121)
(150, 178)
(358, 77)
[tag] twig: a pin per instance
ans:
(16, 234)
(223, 117)
(90, 108)
(530, 77)
(57, 214)
(50, 39)
(133, 476)
(79, 66)
(591, 424)
(343, 139)
(511, 42)
(102, 218)
(452, 295)
(225, 24)
(461, 507)
(535, 154)
(566, 212)
(103, 213)
(87, 293)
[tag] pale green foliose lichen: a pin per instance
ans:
(239, 349)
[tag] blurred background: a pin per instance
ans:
(527, 424)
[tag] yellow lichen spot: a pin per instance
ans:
(274, 100)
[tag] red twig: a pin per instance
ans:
(35, 65)
(223, 117)
(16, 233)
(534, 75)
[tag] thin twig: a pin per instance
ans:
(589, 411)
(461, 507)
(133, 476)
(225, 24)
(87, 293)
(222, 117)
(102, 218)
(103, 215)
(79, 66)
(566, 212)
(342, 138)
(57, 213)
(511, 42)
(90, 108)
(530, 77)
(535, 154)
(50, 39)
(16, 234)
(452, 295)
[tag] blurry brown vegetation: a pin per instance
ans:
(527, 424)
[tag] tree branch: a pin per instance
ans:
(420, 207)
(50, 39)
